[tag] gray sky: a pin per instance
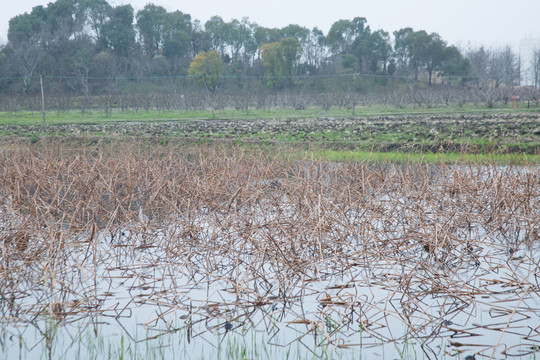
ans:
(493, 23)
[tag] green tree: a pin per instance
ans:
(151, 23)
(65, 20)
(420, 50)
(205, 69)
(24, 29)
(4, 69)
(378, 51)
(240, 40)
(97, 15)
(249, 49)
(297, 32)
(200, 40)
(417, 43)
(177, 33)
(454, 65)
(176, 45)
(264, 35)
(343, 33)
(217, 30)
(119, 30)
(401, 47)
(104, 64)
(271, 58)
(349, 63)
(435, 55)
(314, 50)
(290, 52)
(279, 59)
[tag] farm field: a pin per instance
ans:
(272, 238)
(507, 136)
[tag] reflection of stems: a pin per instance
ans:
(508, 322)
(190, 323)
(50, 334)
(121, 356)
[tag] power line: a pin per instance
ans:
(225, 77)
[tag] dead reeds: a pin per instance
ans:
(224, 237)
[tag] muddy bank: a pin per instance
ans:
(460, 132)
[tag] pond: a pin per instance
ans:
(309, 260)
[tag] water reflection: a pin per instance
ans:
(377, 272)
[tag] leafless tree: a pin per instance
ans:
(535, 67)
(479, 60)
(25, 60)
(510, 66)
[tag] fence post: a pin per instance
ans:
(42, 98)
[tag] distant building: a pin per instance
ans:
(527, 47)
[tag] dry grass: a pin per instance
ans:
(271, 232)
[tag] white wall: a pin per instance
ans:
(526, 51)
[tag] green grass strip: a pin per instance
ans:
(430, 158)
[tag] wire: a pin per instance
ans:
(232, 77)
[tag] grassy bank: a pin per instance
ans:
(98, 117)
(377, 133)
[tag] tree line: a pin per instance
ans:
(91, 46)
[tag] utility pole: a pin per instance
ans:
(42, 98)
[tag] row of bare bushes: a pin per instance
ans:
(297, 100)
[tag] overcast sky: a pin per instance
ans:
(493, 23)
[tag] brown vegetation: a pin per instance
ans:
(272, 233)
